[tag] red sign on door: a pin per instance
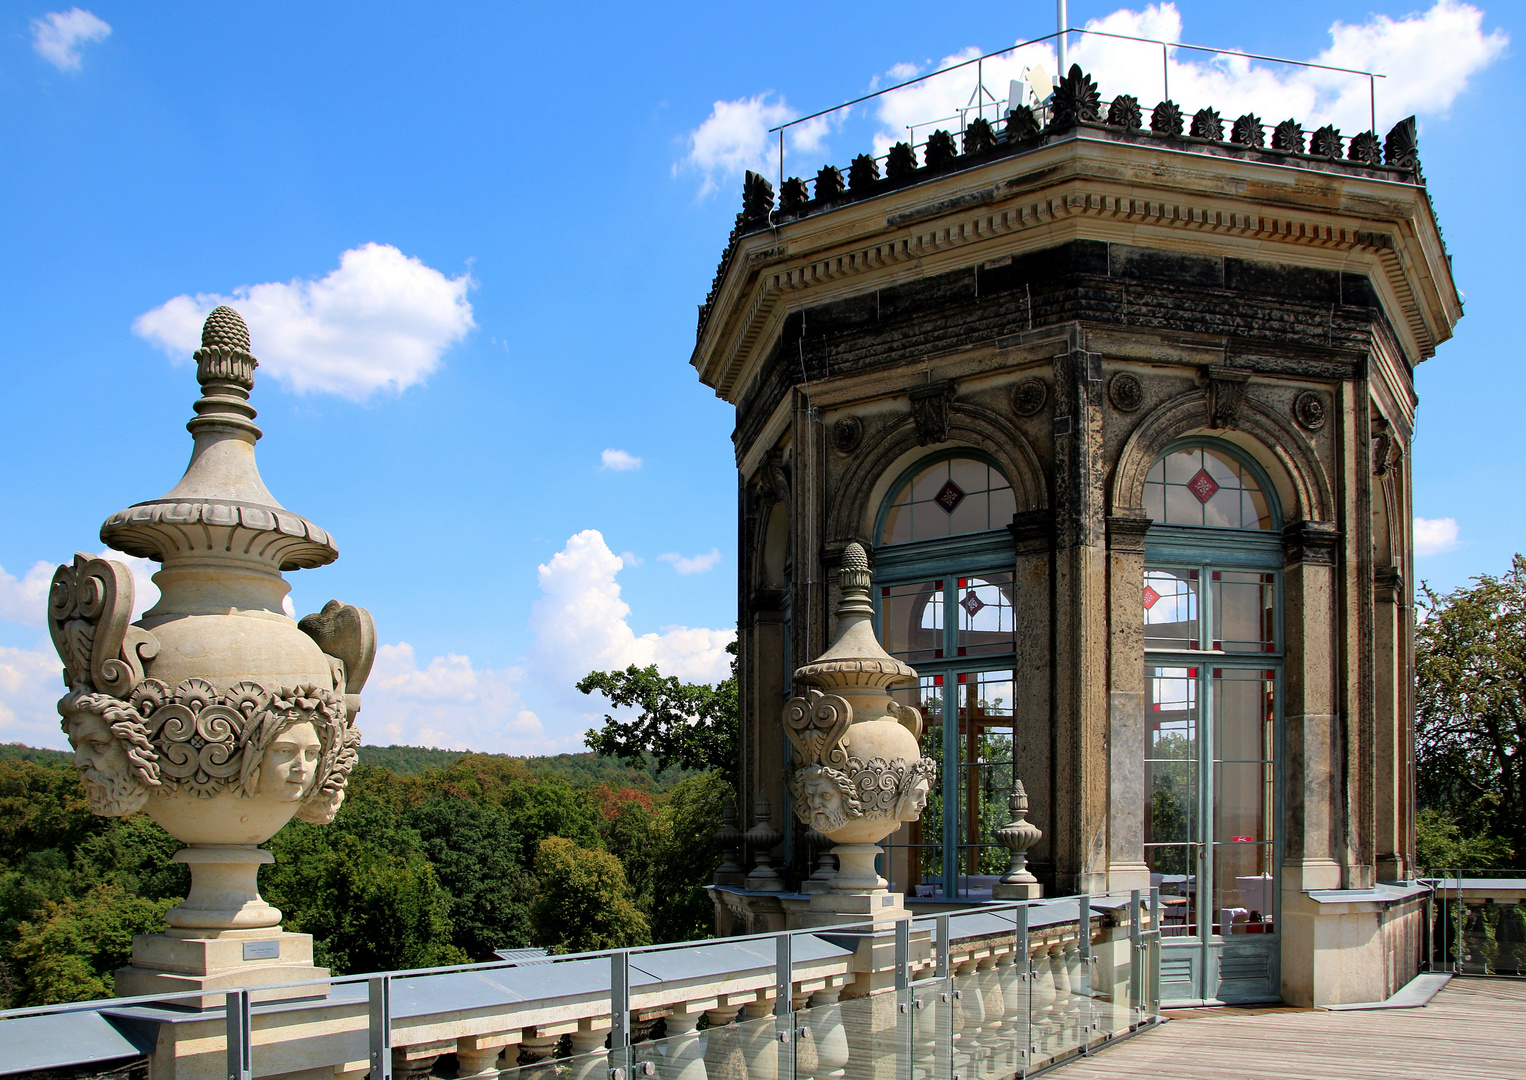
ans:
(1242, 839)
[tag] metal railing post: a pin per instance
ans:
(240, 1052)
(906, 1022)
(1152, 974)
(1136, 956)
(380, 993)
(943, 1038)
(619, 1014)
(784, 1003)
(1084, 944)
(1025, 1045)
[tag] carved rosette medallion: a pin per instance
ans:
(1028, 397)
(1125, 391)
(847, 434)
(1309, 410)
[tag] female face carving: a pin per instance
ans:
(290, 763)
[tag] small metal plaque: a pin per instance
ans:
(262, 950)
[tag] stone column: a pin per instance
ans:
(1391, 679)
(1311, 769)
(1128, 732)
(1079, 838)
(683, 1058)
(1033, 709)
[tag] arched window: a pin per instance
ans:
(943, 566)
(953, 496)
(1213, 685)
(1206, 487)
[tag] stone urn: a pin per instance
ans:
(858, 771)
(217, 713)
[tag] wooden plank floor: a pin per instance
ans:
(1475, 1029)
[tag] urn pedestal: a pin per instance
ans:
(217, 713)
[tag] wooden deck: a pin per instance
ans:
(1475, 1029)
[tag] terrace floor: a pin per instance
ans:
(1474, 1029)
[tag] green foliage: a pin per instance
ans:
(580, 769)
(688, 725)
(367, 907)
(1470, 678)
(20, 752)
(1441, 845)
(68, 953)
(428, 868)
(583, 901)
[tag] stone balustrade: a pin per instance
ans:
(959, 992)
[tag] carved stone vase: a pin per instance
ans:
(858, 771)
(216, 712)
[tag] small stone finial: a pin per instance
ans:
(1017, 836)
(761, 838)
(225, 329)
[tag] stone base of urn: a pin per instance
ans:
(857, 893)
(221, 960)
(1029, 891)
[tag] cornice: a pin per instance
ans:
(914, 231)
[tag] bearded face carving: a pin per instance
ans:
(823, 798)
(111, 751)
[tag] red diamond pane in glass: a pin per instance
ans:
(951, 495)
(1203, 486)
(1151, 597)
(972, 603)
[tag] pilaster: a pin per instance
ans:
(1127, 735)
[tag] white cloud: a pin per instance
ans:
(1435, 536)
(630, 558)
(450, 703)
(58, 36)
(735, 138)
(24, 600)
(580, 623)
(694, 564)
(619, 461)
(381, 321)
(1428, 57)
(31, 682)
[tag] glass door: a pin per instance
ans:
(1211, 763)
(957, 631)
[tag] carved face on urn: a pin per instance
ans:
(823, 798)
(290, 763)
(914, 799)
(109, 751)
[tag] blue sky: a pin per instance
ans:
(470, 238)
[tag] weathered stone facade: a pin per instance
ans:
(1069, 306)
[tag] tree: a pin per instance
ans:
(1470, 678)
(583, 901)
(689, 725)
(71, 950)
(475, 851)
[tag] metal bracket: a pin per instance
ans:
(240, 1030)
(380, 994)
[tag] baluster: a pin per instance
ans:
(723, 1057)
(829, 1033)
(684, 1054)
(759, 1041)
(587, 1062)
(477, 1056)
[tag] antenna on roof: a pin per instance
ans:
(1064, 24)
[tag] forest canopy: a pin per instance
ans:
(436, 857)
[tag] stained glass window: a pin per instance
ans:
(951, 497)
(1205, 487)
